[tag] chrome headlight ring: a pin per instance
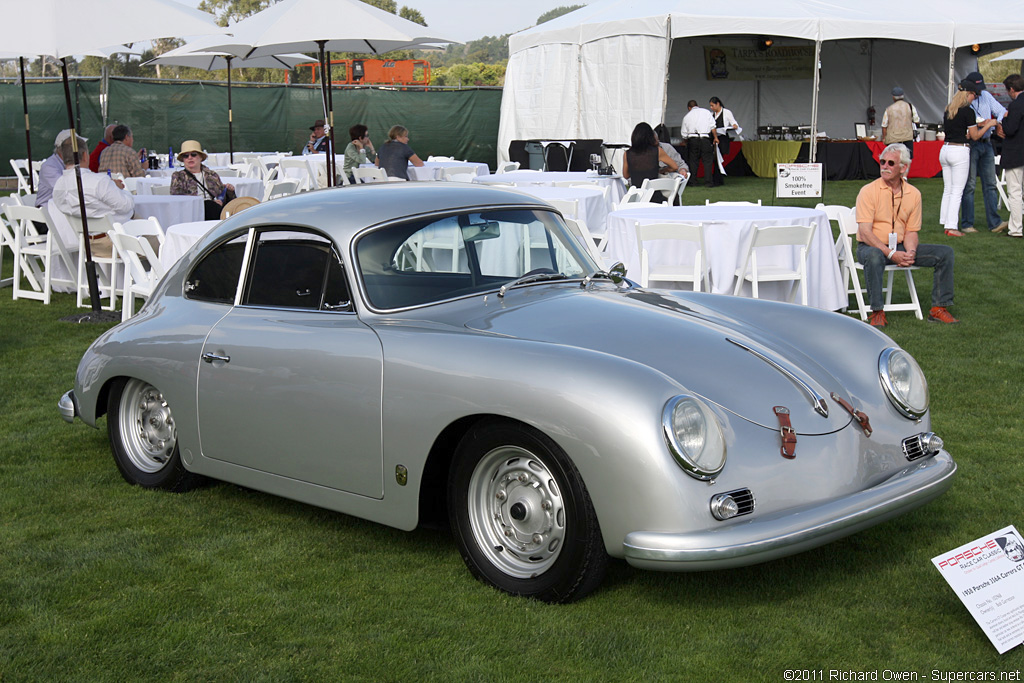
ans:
(694, 437)
(904, 382)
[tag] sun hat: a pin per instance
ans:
(237, 204)
(318, 123)
(64, 135)
(192, 146)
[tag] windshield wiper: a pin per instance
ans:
(526, 279)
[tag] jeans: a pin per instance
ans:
(955, 161)
(937, 256)
(983, 163)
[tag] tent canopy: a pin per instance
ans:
(597, 71)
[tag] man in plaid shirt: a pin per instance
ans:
(119, 157)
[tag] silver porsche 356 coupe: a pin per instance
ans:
(421, 352)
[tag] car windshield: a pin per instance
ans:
(433, 259)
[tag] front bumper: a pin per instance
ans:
(795, 530)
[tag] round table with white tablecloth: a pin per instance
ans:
(244, 187)
(614, 183)
(430, 170)
(179, 238)
(727, 234)
(169, 209)
(593, 205)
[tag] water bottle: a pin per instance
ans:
(170, 157)
(222, 195)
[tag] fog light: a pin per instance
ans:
(932, 442)
(724, 506)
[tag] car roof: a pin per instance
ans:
(344, 211)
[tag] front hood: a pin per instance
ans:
(744, 369)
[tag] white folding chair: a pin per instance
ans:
(161, 189)
(668, 186)
(106, 282)
(296, 168)
(695, 272)
(1004, 199)
(434, 158)
(582, 233)
(458, 174)
(7, 235)
(33, 252)
(569, 208)
(21, 170)
(267, 164)
(508, 167)
(140, 278)
(280, 188)
(369, 175)
(847, 219)
(708, 202)
(634, 195)
(798, 236)
(147, 228)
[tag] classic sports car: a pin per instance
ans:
(417, 352)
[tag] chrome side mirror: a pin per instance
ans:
(617, 273)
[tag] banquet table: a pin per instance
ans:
(592, 206)
(169, 209)
(430, 170)
(244, 187)
(614, 183)
(727, 234)
(179, 238)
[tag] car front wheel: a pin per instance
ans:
(522, 516)
(143, 437)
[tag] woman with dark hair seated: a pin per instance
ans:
(359, 151)
(642, 159)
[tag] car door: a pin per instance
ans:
(290, 382)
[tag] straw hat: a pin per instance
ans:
(237, 204)
(192, 146)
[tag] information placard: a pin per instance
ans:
(988, 576)
(797, 180)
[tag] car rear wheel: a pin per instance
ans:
(143, 437)
(521, 514)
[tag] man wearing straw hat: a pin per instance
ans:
(317, 138)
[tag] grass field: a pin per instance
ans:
(101, 581)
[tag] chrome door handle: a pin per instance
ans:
(210, 357)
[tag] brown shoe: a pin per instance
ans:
(969, 229)
(877, 319)
(1002, 226)
(939, 314)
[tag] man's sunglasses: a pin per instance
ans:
(887, 162)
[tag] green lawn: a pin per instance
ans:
(101, 581)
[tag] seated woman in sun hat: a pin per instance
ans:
(196, 179)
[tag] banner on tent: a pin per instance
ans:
(734, 63)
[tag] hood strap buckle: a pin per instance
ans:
(860, 416)
(786, 431)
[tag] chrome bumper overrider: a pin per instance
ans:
(67, 406)
(766, 538)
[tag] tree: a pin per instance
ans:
(557, 12)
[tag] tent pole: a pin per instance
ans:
(28, 136)
(668, 59)
(323, 93)
(814, 101)
(951, 86)
(231, 139)
(332, 159)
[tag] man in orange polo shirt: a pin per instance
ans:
(888, 222)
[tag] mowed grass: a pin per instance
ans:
(101, 581)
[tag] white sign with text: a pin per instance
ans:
(988, 576)
(797, 180)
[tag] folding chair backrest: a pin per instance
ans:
(708, 202)
(280, 188)
(508, 167)
(369, 175)
(566, 207)
(667, 186)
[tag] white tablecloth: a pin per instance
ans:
(617, 188)
(168, 172)
(180, 238)
(593, 206)
(169, 209)
(727, 233)
(244, 187)
(430, 170)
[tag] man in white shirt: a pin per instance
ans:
(51, 169)
(698, 131)
(103, 196)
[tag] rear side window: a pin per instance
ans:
(215, 277)
(291, 269)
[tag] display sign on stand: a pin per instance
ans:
(797, 180)
(988, 577)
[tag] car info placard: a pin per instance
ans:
(798, 180)
(988, 575)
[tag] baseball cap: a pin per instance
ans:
(976, 78)
(64, 135)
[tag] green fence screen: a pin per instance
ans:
(459, 123)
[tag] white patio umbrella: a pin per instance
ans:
(325, 26)
(1017, 54)
(195, 55)
(61, 28)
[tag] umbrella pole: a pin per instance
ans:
(231, 140)
(28, 137)
(90, 266)
(323, 93)
(330, 108)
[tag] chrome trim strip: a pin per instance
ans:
(819, 403)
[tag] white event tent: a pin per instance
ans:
(597, 71)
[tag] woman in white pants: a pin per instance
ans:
(961, 125)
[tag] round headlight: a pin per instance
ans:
(694, 437)
(904, 382)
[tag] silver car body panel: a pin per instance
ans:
(358, 394)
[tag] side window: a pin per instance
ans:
(215, 277)
(291, 269)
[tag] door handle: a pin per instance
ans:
(210, 357)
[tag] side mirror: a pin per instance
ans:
(617, 273)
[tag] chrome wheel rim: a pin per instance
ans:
(516, 512)
(147, 427)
